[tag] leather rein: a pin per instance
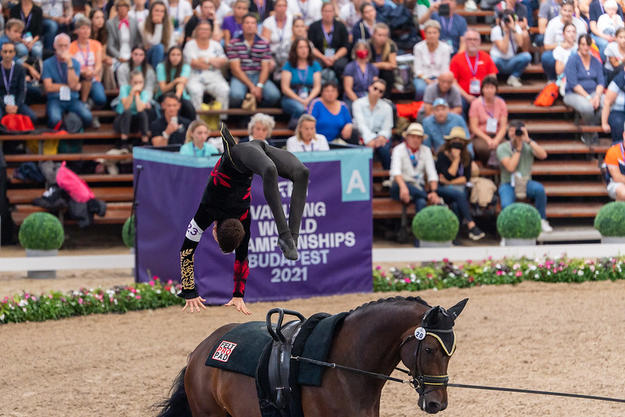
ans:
(419, 380)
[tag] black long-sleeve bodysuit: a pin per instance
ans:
(227, 195)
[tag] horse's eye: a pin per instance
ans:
(428, 350)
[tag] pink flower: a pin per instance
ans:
(518, 273)
(26, 295)
(170, 282)
(138, 297)
(378, 268)
(151, 283)
(429, 276)
(383, 274)
(407, 280)
(132, 290)
(490, 258)
(499, 272)
(155, 278)
(469, 261)
(446, 260)
(80, 301)
(32, 297)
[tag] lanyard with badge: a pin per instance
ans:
(9, 99)
(302, 11)
(448, 26)
(328, 41)
(491, 122)
(280, 31)
(64, 92)
(363, 76)
(27, 35)
(474, 85)
(85, 54)
(302, 88)
(312, 147)
(261, 8)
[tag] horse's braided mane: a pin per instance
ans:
(397, 299)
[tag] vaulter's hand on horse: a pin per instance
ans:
(194, 304)
(239, 304)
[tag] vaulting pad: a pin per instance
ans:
(317, 347)
(240, 349)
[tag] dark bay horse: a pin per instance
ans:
(374, 337)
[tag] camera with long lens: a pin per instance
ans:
(519, 131)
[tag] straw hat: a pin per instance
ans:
(457, 133)
(415, 129)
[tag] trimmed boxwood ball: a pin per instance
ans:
(519, 221)
(435, 224)
(128, 232)
(610, 221)
(41, 231)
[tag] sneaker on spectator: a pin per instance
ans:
(545, 226)
(95, 123)
(476, 233)
(514, 81)
(470, 6)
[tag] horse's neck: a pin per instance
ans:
(375, 335)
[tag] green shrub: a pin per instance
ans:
(128, 232)
(519, 221)
(41, 231)
(610, 221)
(435, 224)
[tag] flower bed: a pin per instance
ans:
(56, 305)
(436, 275)
(445, 274)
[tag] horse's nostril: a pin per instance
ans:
(433, 407)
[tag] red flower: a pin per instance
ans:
(471, 280)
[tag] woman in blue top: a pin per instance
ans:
(195, 143)
(333, 118)
(300, 80)
(584, 84)
(172, 75)
(132, 109)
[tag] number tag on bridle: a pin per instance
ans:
(419, 333)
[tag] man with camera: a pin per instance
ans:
(517, 157)
(507, 38)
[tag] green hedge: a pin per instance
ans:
(519, 221)
(610, 221)
(435, 224)
(41, 231)
(57, 305)
(444, 274)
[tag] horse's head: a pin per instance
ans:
(426, 352)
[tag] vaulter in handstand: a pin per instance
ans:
(226, 201)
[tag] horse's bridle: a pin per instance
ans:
(419, 380)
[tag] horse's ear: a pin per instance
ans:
(431, 317)
(457, 309)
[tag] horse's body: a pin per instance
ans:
(373, 337)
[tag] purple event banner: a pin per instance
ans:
(335, 239)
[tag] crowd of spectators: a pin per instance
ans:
(331, 67)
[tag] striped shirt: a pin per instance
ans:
(250, 58)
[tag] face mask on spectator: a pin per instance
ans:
(362, 54)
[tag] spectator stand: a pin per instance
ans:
(571, 174)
